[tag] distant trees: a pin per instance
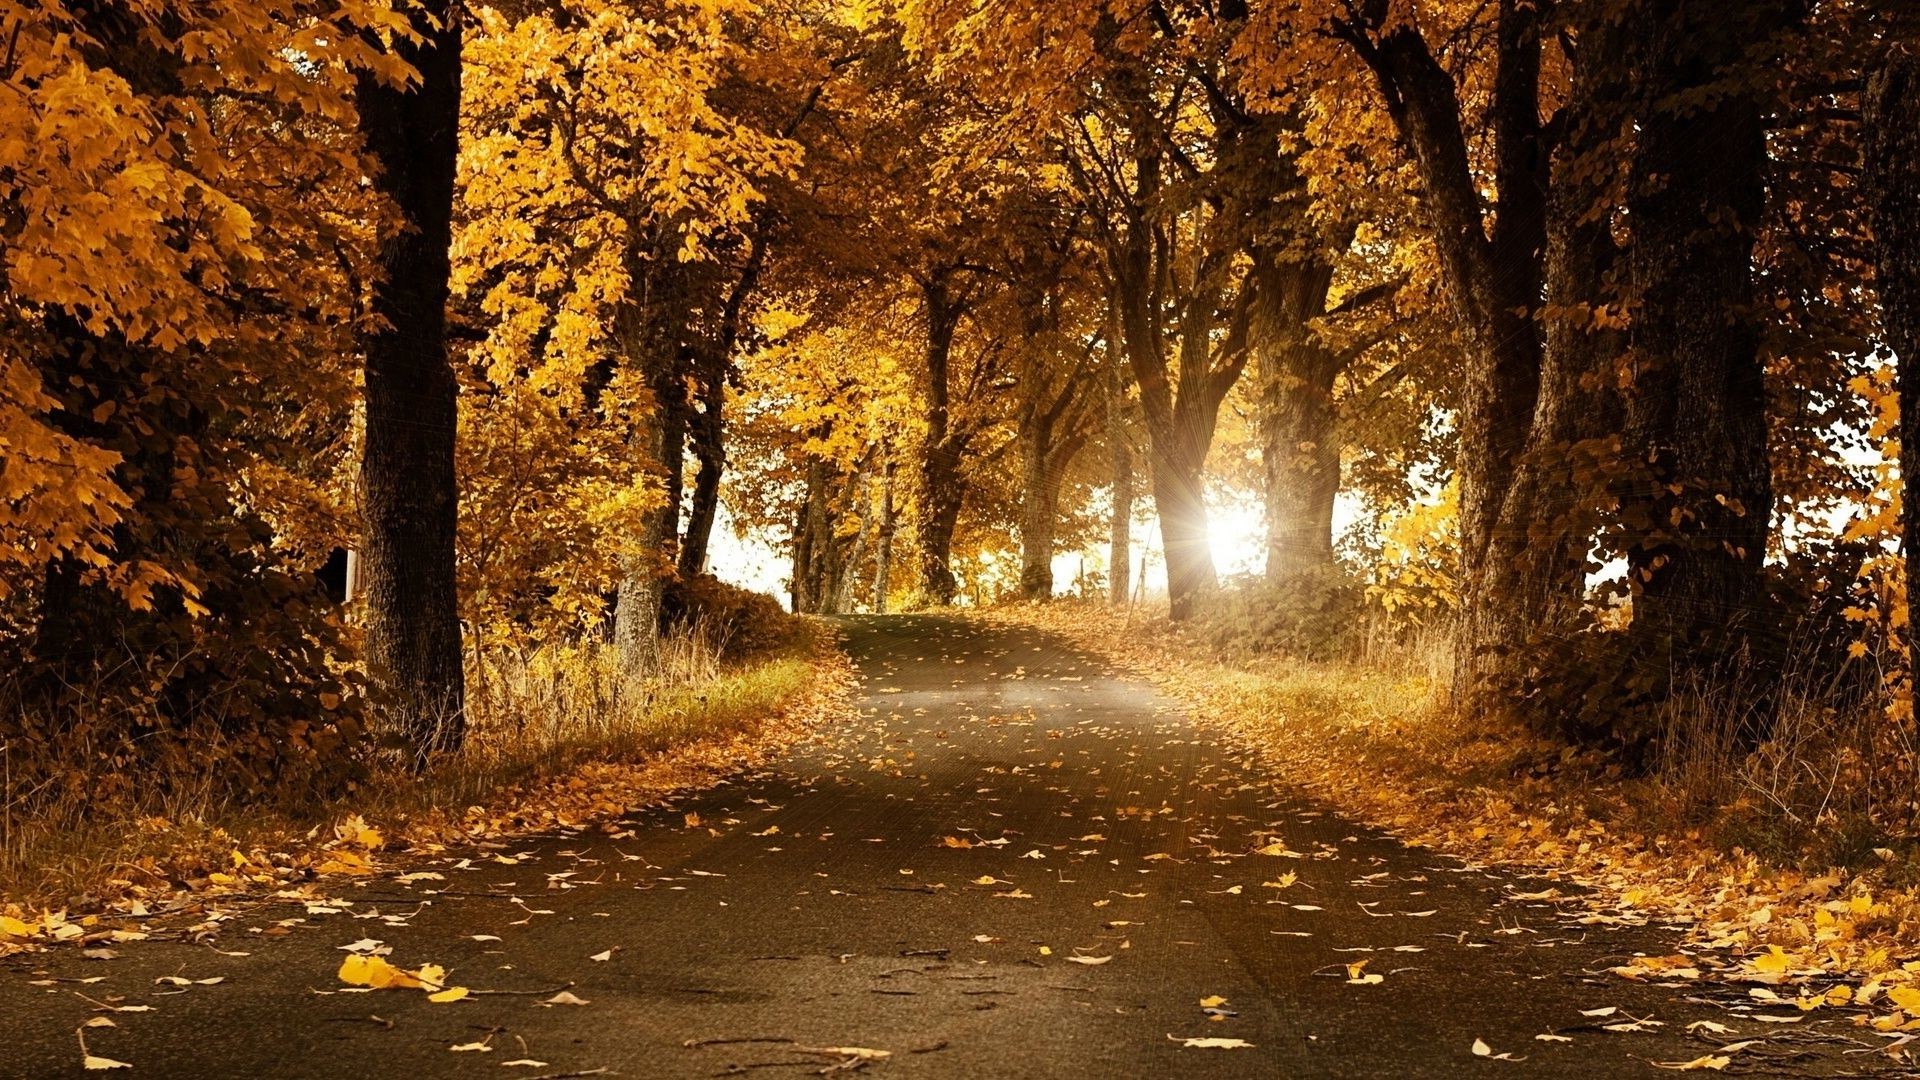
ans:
(523, 300)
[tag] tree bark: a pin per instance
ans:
(883, 553)
(1299, 442)
(708, 428)
(1120, 520)
(1892, 143)
(650, 339)
(848, 578)
(408, 485)
(1697, 406)
(1557, 497)
(1178, 496)
(1493, 279)
(942, 490)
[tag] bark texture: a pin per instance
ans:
(1299, 440)
(942, 489)
(1697, 411)
(1120, 518)
(1892, 128)
(407, 480)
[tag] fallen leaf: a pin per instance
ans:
(1715, 1062)
(1212, 1043)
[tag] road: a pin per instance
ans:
(1015, 863)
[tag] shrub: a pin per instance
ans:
(1308, 615)
(743, 624)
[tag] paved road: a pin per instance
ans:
(828, 902)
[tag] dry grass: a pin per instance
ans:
(1799, 843)
(1835, 784)
(539, 720)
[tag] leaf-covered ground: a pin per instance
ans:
(1013, 862)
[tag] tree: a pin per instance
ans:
(409, 494)
(1892, 158)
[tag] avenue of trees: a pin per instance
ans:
(1604, 315)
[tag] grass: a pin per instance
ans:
(1750, 848)
(556, 733)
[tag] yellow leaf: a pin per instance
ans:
(451, 993)
(1215, 1044)
(1716, 1062)
(1907, 997)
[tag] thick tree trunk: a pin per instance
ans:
(1039, 510)
(1493, 280)
(1299, 442)
(810, 539)
(1178, 497)
(643, 573)
(1697, 406)
(408, 485)
(1557, 497)
(1892, 140)
(819, 562)
(650, 342)
(940, 500)
(849, 577)
(942, 490)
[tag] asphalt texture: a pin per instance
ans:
(1014, 863)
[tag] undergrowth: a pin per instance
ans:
(1801, 843)
(539, 718)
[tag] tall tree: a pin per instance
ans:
(407, 484)
(1892, 156)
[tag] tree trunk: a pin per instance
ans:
(940, 500)
(883, 553)
(1892, 140)
(649, 339)
(1697, 406)
(1120, 456)
(1120, 529)
(1557, 498)
(1493, 280)
(1178, 497)
(819, 562)
(1039, 509)
(849, 577)
(703, 506)
(643, 572)
(408, 485)
(942, 491)
(1299, 442)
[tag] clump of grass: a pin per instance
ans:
(535, 715)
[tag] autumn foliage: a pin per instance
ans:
(1576, 337)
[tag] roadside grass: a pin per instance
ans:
(557, 736)
(1776, 861)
